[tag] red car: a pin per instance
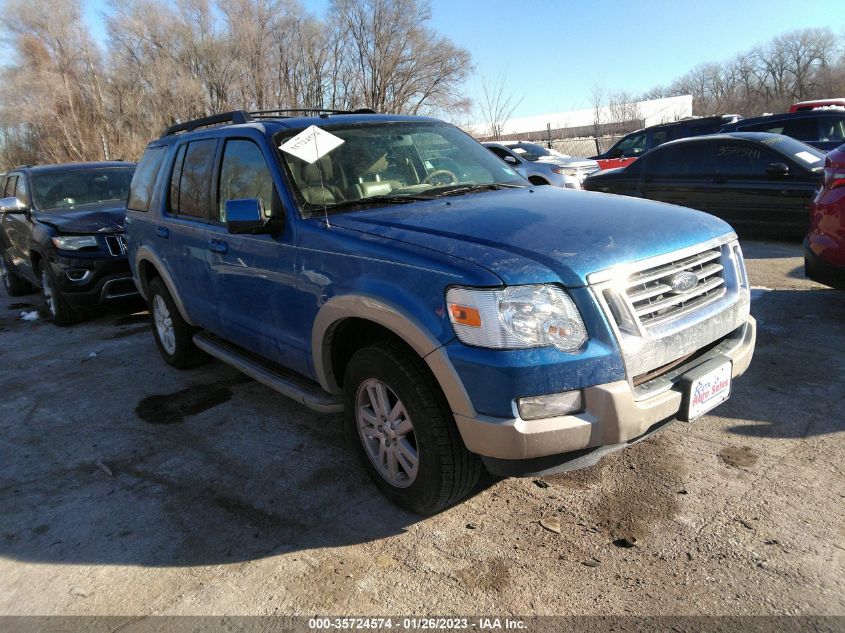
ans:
(824, 246)
(818, 103)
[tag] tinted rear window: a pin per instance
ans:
(191, 176)
(141, 190)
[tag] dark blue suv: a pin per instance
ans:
(393, 268)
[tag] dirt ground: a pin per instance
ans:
(128, 487)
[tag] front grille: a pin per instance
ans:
(654, 300)
(116, 244)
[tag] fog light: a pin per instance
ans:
(79, 275)
(536, 407)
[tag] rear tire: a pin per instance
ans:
(395, 412)
(54, 305)
(14, 285)
(173, 335)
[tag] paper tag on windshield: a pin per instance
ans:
(807, 157)
(311, 144)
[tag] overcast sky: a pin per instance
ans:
(554, 51)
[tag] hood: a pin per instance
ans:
(543, 235)
(105, 217)
(572, 163)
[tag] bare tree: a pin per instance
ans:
(398, 63)
(496, 106)
(65, 99)
(797, 65)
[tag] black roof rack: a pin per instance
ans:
(241, 116)
(234, 117)
(323, 112)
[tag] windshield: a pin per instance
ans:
(804, 154)
(633, 143)
(393, 162)
(63, 189)
(532, 151)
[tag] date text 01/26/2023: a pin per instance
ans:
(416, 624)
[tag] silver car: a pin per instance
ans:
(544, 166)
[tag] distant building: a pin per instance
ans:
(614, 119)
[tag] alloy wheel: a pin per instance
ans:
(47, 291)
(164, 325)
(387, 433)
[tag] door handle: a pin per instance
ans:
(218, 246)
(162, 231)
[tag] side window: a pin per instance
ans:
(804, 129)
(189, 185)
(681, 161)
(244, 174)
(659, 137)
(832, 128)
(141, 189)
(498, 151)
(741, 159)
(173, 195)
(21, 191)
(774, 127)
(10, 187)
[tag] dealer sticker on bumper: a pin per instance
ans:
(709, 390)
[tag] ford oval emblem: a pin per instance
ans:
(683, 281)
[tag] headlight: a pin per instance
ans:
(74, 242)
(516, 317)
(565, 171)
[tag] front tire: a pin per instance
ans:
(404, 432)
(14, 285)
(55, 306)
(173, 335)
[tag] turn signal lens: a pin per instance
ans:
(834, 179)
(465, 315)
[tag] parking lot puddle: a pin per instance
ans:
(173, 408)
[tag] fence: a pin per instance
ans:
(584, 147)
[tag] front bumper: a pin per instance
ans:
(615, 415)
(89, 281)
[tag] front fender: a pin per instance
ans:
(396, 320)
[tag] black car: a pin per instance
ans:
(761, 183)
(61, 230)
(823, 128)
(637, 143)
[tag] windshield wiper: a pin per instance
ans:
(492, 186)
(363, 202)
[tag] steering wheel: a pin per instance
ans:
(429, 180)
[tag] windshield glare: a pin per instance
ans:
(63, 189)
(806, 155)
(532, 152)
(391, 161)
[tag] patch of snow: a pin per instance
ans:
(30, 316)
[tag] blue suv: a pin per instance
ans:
(393, 268)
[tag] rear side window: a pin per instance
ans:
(244, 174)
(803, 129)
(141, 189)
(689, 160)
(191, 175)
(741, 159)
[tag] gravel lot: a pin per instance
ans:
(128, 487)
